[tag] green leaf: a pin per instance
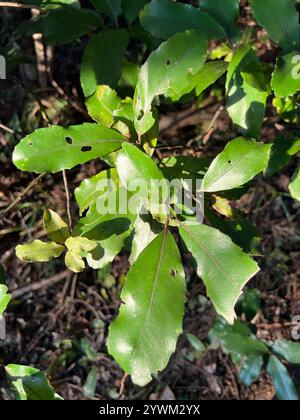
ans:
(284, 386)
(196, 343)
(249, 304)
(145, 229)
(165, 18)
(184, 167)
(282, 151)
(57, 230)
(223, 266)
(74, 262)
(205, 77)
(28, 383)
(132, 8)
(280, 21)
(150, 319)
(286, 77)
(81, 246)
(224, 13)
(167, 71)
(112, 8)
(56, 148)
(39, 251)
(61, 25)
(96, 188)
(246, 102)
(294, 186)
(288, 350)
(102, 104)
(240, 161)
(89, 388)
(102, 60)
(250, 369)
(5, 298)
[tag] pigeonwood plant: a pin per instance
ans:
(159, 50)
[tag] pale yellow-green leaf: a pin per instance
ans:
(39, 251)
(57, 230)
(74, 262)
(80, 246)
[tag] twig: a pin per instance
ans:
(10, 130)
(40, 284)
(122, 386)
(18, 199)
(68, 200)
(18, 5)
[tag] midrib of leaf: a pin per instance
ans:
(215, 180)
(154, 291)
(210, 255)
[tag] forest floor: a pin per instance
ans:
(58, 321)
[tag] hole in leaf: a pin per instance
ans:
(86, 148)
(229, 161)
(30, 143)
(168, 63)
(69, 140)
(173, 272)
(141, 114)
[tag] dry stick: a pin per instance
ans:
(68, 200)
(18, 199)
(10, 130)
(40, 284)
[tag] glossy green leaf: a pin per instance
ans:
(144, 335)
(284, 386)
(294, 186)
(39, 251)
(61, 25)
(28, 383)
(102, 60)
(250, 369)
(167, 71)
(280, 20)
(282, 151)
(246, 103)
(145, 229)
(286, 77)
(107, 250)
(165, 18)
(112, 8)
(288, 350)
(4, 298)
(132, 8)
(101, 105)
(240, 161)
(56, 148)
(205, 77)
(225, 13)
(223, 266)
(184, 167)
(96, 188)
(74, 262)
(57, 230)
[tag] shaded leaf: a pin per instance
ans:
(249, 304)
(28, 383)
(132, 8)
(150, 320)
(284, 386)
(282, 151)
(224, 13)
(250, 369)
(165, 18)
(240, 161)
(56, 148)
(288, 350)
(102, 60)
(223, 266)
(111, 8)
(89, 388)
(281, 22)
(39, 251)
